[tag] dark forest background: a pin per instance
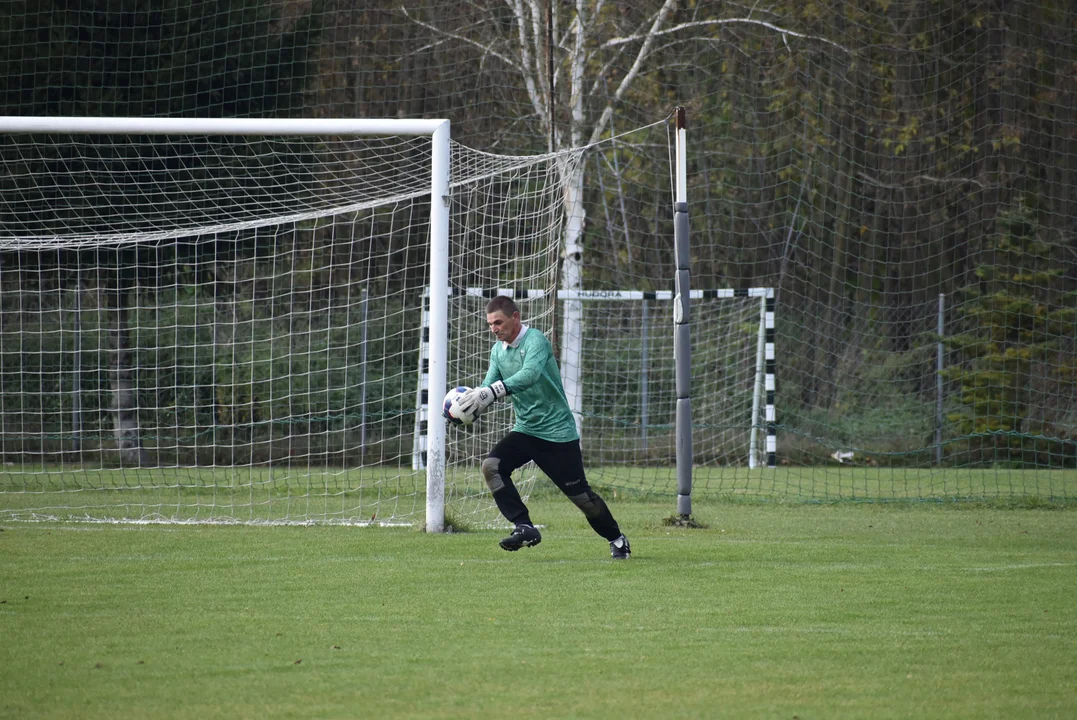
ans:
(864, 158)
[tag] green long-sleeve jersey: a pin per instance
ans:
(529, 371)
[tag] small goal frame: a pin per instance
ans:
(762, 451)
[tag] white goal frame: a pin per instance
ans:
(439, 133)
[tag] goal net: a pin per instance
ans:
(222, 325)
(925, 326)
(629, 395)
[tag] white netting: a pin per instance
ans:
(92, 191)
(218, 330)
(630, 386)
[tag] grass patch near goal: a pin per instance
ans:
(837, 484)
(776, 610)
(389, 495)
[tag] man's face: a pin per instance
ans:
(503, 327)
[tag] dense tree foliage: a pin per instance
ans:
(860, 156)
(1018, 346)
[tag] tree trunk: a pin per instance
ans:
(572, 263)
(572, 279)
(124, 394)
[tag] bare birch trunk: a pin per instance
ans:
(572, 279)
(572, 258)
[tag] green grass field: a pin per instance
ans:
(774, 610)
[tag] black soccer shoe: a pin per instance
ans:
(620, 549)
(522, 536)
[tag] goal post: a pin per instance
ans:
(12, 124)
(213, 320)
(439, 288)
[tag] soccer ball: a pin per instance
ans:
(451, 407)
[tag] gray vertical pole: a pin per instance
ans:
(645, 385)
(682, 348)
(938, 379)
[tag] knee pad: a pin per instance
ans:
(590, 503)
(490, 473)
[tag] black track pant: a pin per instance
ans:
(563, 462)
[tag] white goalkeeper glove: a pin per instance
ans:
(475, 401)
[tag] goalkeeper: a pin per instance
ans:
(522, 365)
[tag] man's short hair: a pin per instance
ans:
(503, 304)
